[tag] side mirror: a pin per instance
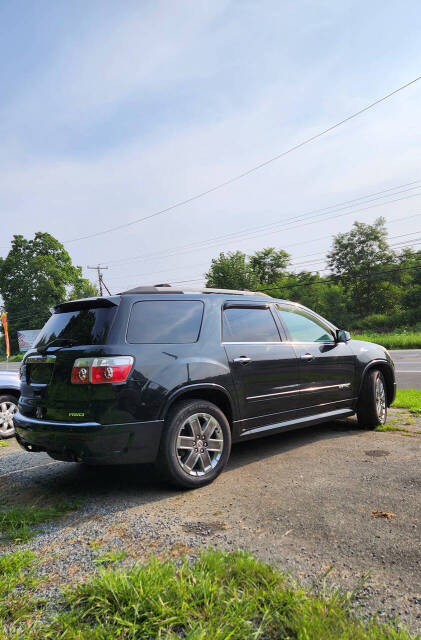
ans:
(342, 336)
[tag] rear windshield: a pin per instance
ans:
(165, 322)
(80, 326)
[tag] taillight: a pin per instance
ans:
(101, 370)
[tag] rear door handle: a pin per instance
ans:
(242, 360)
(307, 356)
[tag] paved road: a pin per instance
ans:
(9, 366)
(407, 362)
(408, 368)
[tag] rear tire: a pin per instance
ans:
(372, 403)
(195, 445)
(8, 406)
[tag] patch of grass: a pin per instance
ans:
(222, 596)
(409, 399)
(3, 443)
(17, 522)
(403, 340)
(110, 557)
(16, 572)
(390, 426)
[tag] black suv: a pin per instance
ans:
(156, 374)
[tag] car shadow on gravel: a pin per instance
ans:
(249, 451)
(123, 486)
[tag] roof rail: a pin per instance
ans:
(169, 289)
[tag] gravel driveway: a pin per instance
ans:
(301, 500)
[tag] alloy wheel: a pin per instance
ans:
(7, 426)
(199, 444)
(380, 400)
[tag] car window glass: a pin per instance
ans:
(249, 325)
(81, 326)
(165, 321)
(303, 327)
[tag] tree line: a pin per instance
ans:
(369, 285)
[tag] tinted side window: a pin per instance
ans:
(249, 325)
(165, 321)
(303, 327)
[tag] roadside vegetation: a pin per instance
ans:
(393, 340)
(221, 596)
(409, 399)
(371, 288)
(18, 522)
(16, 358)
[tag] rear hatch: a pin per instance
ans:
(78, 329)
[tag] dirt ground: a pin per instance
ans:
(328, 498)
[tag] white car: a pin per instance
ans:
(9, 396)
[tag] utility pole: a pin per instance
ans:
(101, 282)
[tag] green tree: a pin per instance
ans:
(231, 271)
(36, 275)
(410, 263)
(82, 287)
(363, 261)
(269, 265)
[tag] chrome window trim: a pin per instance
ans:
(312, 342)
(277, 342)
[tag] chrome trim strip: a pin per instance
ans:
(273, 395)
(299, 421)
(328, 386)
(283, 393)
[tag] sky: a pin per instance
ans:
(112, 111)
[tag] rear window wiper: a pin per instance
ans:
(63, 341)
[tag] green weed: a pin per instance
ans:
(110, 557)
(17, 522)
(223, 596)
(16, 572)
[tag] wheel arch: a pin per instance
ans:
(388, 374)
(6, 391)
(211, 392)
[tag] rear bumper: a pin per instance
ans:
(91, 442)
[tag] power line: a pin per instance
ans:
(334, 279)
(337, 207)
(245, 235)
(204, 264)
(339, 278)
(246, 173)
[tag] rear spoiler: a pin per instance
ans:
(86, 303)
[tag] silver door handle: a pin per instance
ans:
(242, 360)
(307, 356)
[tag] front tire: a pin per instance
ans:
(8, 407)
(372, 403)
(195, 445)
